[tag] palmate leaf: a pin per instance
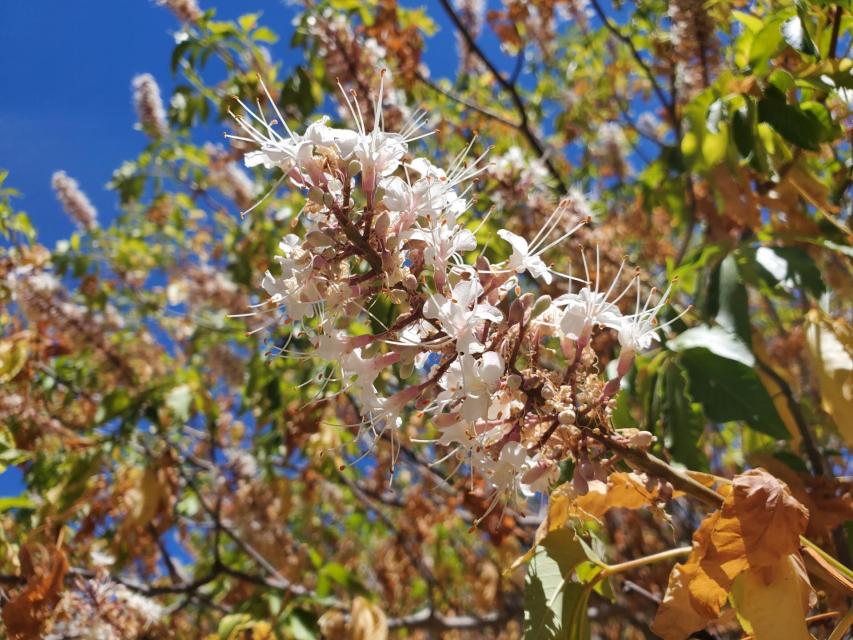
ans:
(555, 606)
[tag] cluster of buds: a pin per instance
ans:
(74, 202)
(185, 10)
(509, 380)
(149, 106)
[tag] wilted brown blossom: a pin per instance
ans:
(149, 106)
(74, 202)
(472, 13)
(229, 178)
(355, 60)
(695, 46)
(186, 10)
(610, 149)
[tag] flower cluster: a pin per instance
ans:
(74, 202)
(510, 381)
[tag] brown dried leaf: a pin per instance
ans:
(26, 614)
(759, 524)
(771, 520)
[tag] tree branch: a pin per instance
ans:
(510, 88)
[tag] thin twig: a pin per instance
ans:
(524, 126)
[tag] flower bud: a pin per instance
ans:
(381, 225)
(397, 296)
(513, 381)
(567, 416)
(315, 195)
(548, 391)
(540, 306)
(318, 239)
(516, 312)
(587, 470)
(329, 200)
(579, 484)
(410, 282)
(641, 440)
(354, 167)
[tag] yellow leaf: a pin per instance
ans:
(13, 357)
(759, 524)
(772, 602)
(771, 520)
(832, 361)
(626, 490)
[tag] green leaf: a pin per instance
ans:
(13, 357)
(717, 340)
(721, 377)
(15, 502)
(683, 420)
(249, 21)
(554, 605)
(297, 91)
(829, 130)
(791, 122)
(743, 131)
(733, 306)
(785, 268)
(796, 34)
(266, 35)
(766, 43)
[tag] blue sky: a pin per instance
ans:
(65, 95)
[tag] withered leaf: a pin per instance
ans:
(758, 526)
(26, 614)
(367, 621)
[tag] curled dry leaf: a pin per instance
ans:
(367, 621)
(27, 613)
(758, 526)
(829, 347)
(829, 500)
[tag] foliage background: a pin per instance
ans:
(117, 382)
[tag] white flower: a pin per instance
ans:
(522, 259)
(503, 473)
(479, 378)
(462, 316)
(590, 307)
(444, 243)
(472, 380)
(637, 333)
(639, 330)
(585, 309)
(527, 256)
